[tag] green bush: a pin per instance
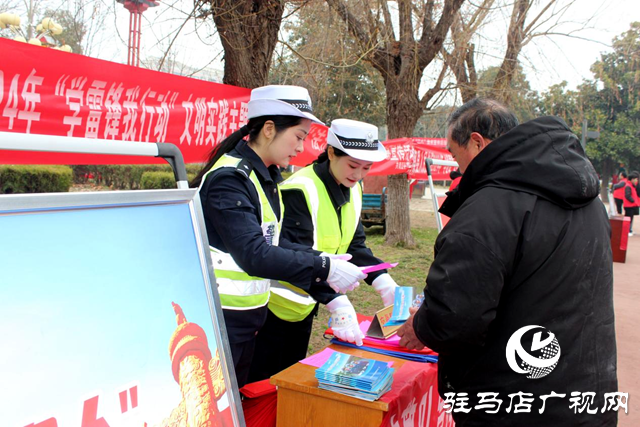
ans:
(123, 177)
(35, 179)
(157, 180)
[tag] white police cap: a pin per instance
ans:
(358, 139)
(281, 100)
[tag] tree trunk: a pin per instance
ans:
(607, 172)
(398, 219)
(403, 112)
(248, 31)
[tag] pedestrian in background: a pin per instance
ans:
(618, 191)
(631, 200)
(455, 176)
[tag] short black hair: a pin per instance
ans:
(488, 117)
(634, 175)
(623, 173)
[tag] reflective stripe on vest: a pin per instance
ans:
(329, 235)
(238, 290)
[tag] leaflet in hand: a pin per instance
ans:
(384, 266)
(358, 377)
(403, 300)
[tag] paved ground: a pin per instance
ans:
(627, 306)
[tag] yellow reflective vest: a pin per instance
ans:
(329, 235)
(239, 290)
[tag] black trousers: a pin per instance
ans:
(619, 203)
(242, 354)
(631, 212)
(280, 344)
(242, 327)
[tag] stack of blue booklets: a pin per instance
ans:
(365, 379)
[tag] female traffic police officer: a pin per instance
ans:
(243, 216)
(322, 210)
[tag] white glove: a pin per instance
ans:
(344, 257)
(386, 287)
(344, 276)
(344, 321)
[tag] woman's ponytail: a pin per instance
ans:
(324, 156)
(251, 129)
(228, 144)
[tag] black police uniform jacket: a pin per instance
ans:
(232, 218)
(528, 244)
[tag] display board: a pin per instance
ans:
(109, 316)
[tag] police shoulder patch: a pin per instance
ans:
(244, 167)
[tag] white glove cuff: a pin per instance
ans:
(332, 265)
(344, 257)
(340, 302)
(383, 281)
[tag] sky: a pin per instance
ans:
(88, 312)
(550, 60)
(546, 60)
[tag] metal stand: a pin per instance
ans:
(63, 144)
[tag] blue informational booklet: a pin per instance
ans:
(358, 377)
(403, 299)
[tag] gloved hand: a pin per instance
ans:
(344, 276)
(386, 287)
(344, 257)
(344, 321)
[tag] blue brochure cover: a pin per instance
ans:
(401, 303)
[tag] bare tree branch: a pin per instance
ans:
(387, 24)
(406, 25)
(428, 51)
(164, 56)
(437, 87)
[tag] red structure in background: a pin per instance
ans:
(200, 376)
(136, 8)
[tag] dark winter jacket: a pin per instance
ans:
(528, 244)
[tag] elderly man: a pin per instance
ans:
(519, 300)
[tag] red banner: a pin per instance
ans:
(49, 92)
(407, 155)
(435, 142)
(314, 145)
(404, 155)
(414, 400)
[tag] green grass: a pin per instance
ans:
(411, 271)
